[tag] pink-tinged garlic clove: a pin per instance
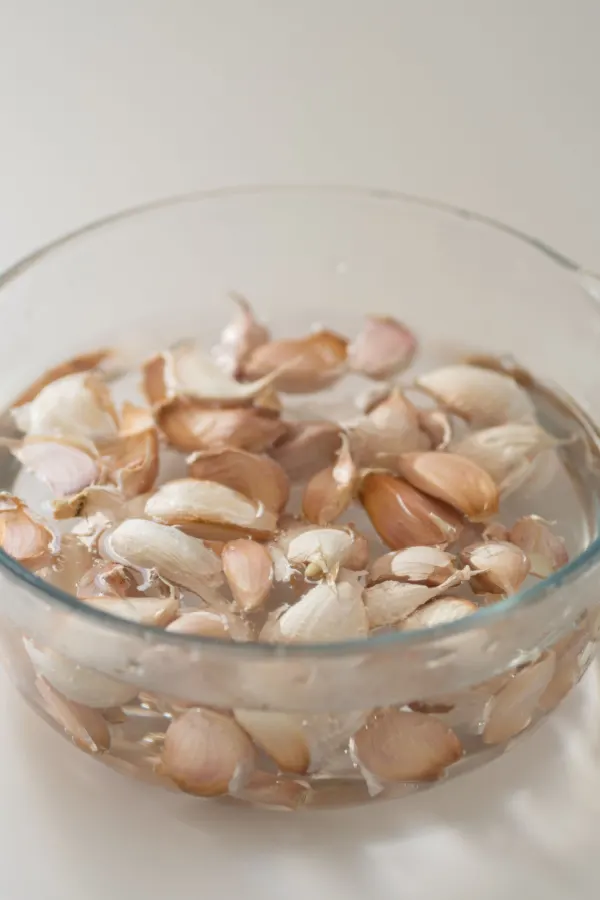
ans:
(390, 602)
(204, 508)
(511, 710)
(391, 427)
(421, 565)
(280, 735)
(190, 426)
(481, 396)
(327, 612)
(495, 531)
(384, 347)
(22, 535)
(249, 572)
(86, 362)
(546, 551)
(67, 466)
(454, 480)
(403, 516)
(330, 492)
(439, 612)
(307, 448)
(107, 579)
(202, 623)
(499, 567)
(75, 406)
(206, 753)
(257, 477)
(307, 364)
(85, 726)
(241, 336)
(157, 611)
(321, 551)
(405, 746)
(268, 790)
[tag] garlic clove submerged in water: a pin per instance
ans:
(453, 479)
(500, 567)
(384, 347)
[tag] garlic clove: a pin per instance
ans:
(86, 727)
(391, 427)
(197, 505)
(67, 466)
(403, 517)
(243, 335)
(421, 565)
(190, 426)
(481, 396)
(396, 745)
(359, 554)
(453, 479)
(568, 669)
(206, 753)
(308, 364)
(505, 451)
(249, 572)
(157, 611)
(133, 462)
(202, 623)
(500, 567)
(384, 347)
(107, 579)
(307, 448)
(327, 612)
(103, 500)
(439, 612)
(22, 535)
(510, 711)
(268, 790)
(76, 406)
(178, 558)
(496, 531)
(278, 734)
(390, 602)
(77, 364)
(330, 492)
(437, 425)
(257, 477)
(321, 550)
(546, 551)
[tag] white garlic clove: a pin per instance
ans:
(206, 753)
(391, 427)
(396, 745)
(307, 448)
(190, 426)
(384, 347)
(454, 480)
(203, 623)
(320, 550)
(249, 572)
(85, 726)
(76, 406)
(85, 362)
(505, 451)
(241, 336)
(546, 551)
(390, 602)
(439, 612)
(67, 466)
(280, 735)
(510, 711)
(500, 567)
(403, 516)
(421, 565)
(327, 612)
(257, 477)
(330, 492)
(198, 506)
(306, 364)
(481, 396)
(22, 535)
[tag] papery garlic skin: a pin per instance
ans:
(481, 396)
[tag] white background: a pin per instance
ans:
(489, 104)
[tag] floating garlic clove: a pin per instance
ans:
(190, 426)
(453, 479)
(506, 452)
(249, 573)
(268, 790)
(280, 735)
(307, 448)
(321, 550)
(420, 565)
(133, 462)
(500, 567)
(103, 500)
(85, 726)
(437, 426)
(79, 683)
(205, 753)
(384, 347)
(157, 611)
(329, 493)
(403, 517)
(67, 466)
(243, 335)
(390, 428)
(439, 612)
(22, 536)
(510, 711)
(396, 745)
(77, 364)
(257, 477)
(76, 406)
(202, 623)
(209, 509)
(389, 602)
(308, 364)
(327, 612)
(178, 558)
(479, 395)
(108, 579)
(546, 551)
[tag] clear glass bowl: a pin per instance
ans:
(149, 276)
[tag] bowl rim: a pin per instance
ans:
(484, 617)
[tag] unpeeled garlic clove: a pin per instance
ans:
(243, 335)
(453, 479)
(206, 753)
(546, 551)
(249, 572)
(421, 565)
(307, 448)
(396, 745)
(308, 364)
(178, 558)
(439, 612)
(85, 726)
(67, 466)
(390, 602)
(481, 396)
(107, 579)
(202, 623)
(204, 508)
(320, 550)
(403, 516)
(327, 612)
(391, 427)
(96, 500)
(22, 536)
(384, 347)
(190, 426)
(76, 406)
(510, 711)
(133, 462)
(505, 451)
(257, 477)
(329, 493)
(500, 567)
(280, 735)
(86, 362)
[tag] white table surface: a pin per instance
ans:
(489, 105)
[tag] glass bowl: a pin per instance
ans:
(147, 277)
